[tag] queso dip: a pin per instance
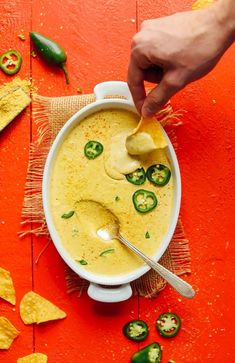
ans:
(76, 178)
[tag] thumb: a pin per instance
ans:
(159, 96)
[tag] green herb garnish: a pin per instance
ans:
(117, 198)
(106, 252)
(82, 262)
(147, 235)
(68, 215)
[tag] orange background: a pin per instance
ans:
(97, 36)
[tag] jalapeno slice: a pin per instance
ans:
(10, 61)
(158, 174)
(144, 201)
(138, 176)
(152, 353)
(168, 324)
(93, 149)
(136, 330)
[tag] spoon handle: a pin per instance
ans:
(179, 285)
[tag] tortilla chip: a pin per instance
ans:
(33, 358)
(7, 290)
(146, 137)
(199, 4)
(36, 309)
(7, 333)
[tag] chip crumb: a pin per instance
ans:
(7, 333)
(79, 89)
(33, 54)
(21, 36)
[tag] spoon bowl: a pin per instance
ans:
(111, 231)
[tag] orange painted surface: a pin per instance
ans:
(97, 38)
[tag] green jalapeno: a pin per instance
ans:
(144, 200)
(138, 176)
(158, 174)
(152, 353)
(93, 149)
(168, 324)
(136, 330)
(10, 61)
(50, 51)
(106, 252)
(68, 215)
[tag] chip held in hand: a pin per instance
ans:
(36, 309)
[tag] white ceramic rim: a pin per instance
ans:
(66, 129)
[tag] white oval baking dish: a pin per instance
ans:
(105, 288)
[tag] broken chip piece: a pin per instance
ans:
(7, 333)
(36, 309)
(7, 290)
(33, 358)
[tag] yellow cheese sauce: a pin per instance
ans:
(75, 177)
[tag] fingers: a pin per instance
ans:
(154, 74)
(160, 95)
(136, 84)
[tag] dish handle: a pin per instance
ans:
(113, 88)
(109, 294)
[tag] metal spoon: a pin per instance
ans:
(111, 231)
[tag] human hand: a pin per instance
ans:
(174, 51)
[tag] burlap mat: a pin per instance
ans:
(49, 115)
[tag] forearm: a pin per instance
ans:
(225, 14)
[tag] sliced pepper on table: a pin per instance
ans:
(93, 149)
(10, 61)
(144, 200)
(51, 51)
(158, 174)
(136, 330)
(152, 353)
(168, 324)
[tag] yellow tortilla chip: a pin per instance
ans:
(33, 358)
(7, 290)
(200, 4)
(7, 333)
(147, 137)
(36, 309)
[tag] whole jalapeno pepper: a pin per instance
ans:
(168, 324)
(136, 330)
(152, 353)
(138, 177)
(144, 200)
(50, 51)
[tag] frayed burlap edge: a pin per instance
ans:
(49, 115)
